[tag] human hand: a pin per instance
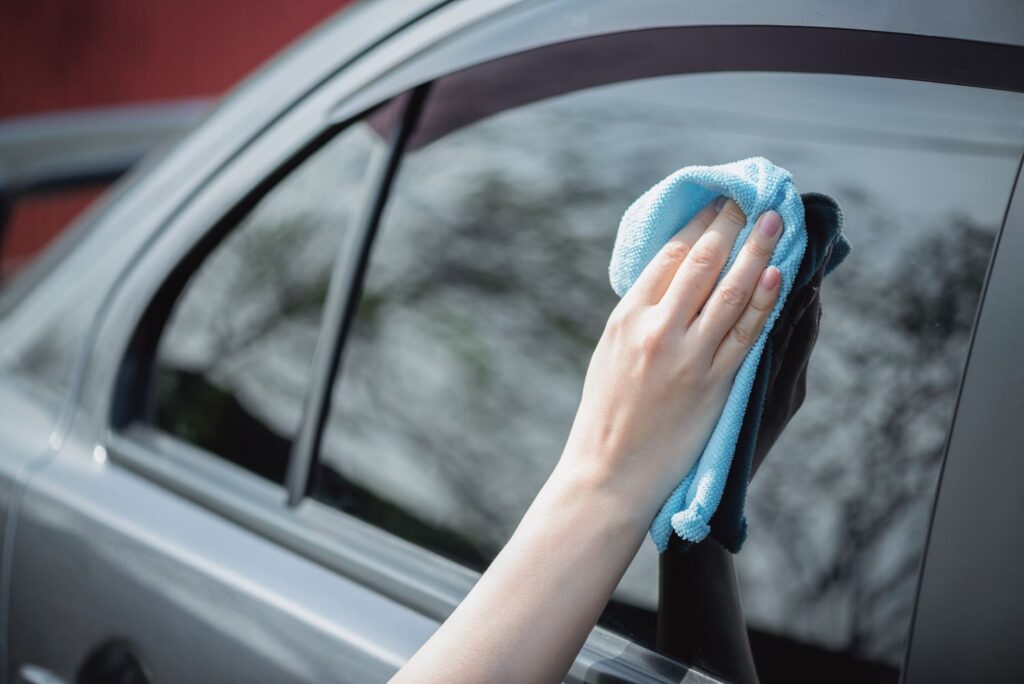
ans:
(655, 388)
(665, 363)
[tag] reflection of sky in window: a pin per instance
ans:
(458, 394)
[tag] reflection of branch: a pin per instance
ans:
(503, 287)
(291, 301)
(377, 414)
(925, 312)
(488, 262)
(247, 273)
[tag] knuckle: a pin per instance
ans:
(692, 373)
(732, 296)
(652, 340)
(618, 320)
(731, 212)
(723, 370)
(675, 250)
(758, 249)
(703, 256)
(684, 375)
(743, 335)
(762, 306)
(705, 217)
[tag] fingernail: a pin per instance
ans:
(718, 203)
(769, 223)
(771, 278)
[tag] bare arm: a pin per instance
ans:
(655, 388)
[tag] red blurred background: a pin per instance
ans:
(57, 56)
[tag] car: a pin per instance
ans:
(273, 404)
(47, 156)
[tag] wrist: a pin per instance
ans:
(589, 483)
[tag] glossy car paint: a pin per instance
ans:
(208, 571)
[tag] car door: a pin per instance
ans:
(485, 290)
(31, 412)
(155, 533)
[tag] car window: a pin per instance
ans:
(232, 365)
(487, 290)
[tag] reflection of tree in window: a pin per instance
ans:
(482, 316)
(233, 363)
(888, 394)
(487, 291)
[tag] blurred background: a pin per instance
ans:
(88, 87)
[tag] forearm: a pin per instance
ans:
(530, 613)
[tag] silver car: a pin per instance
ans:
(269, 410)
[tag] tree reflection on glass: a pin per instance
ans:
(232, 366)
(487, 291)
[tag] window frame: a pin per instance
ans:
(135, 383)
(134, 404)
(301, 524)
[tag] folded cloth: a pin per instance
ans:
(781, 381)
(756, 185)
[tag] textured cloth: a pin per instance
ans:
(781, 381)
(756, 185)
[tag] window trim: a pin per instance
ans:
(343, 298)
(132, 389)
(854, 52)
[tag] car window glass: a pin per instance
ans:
(232, 366)
(487, 290)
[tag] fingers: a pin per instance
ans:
(734, 290)
(651, 285)
(741, 337)
(697, 275)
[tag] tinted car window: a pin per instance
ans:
(232, 366)
(487, 290)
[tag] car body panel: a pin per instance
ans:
(201, 559)
(114, 556)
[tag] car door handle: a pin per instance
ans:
(33, 674)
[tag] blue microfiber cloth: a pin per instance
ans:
(781, 381)
(756, 185)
